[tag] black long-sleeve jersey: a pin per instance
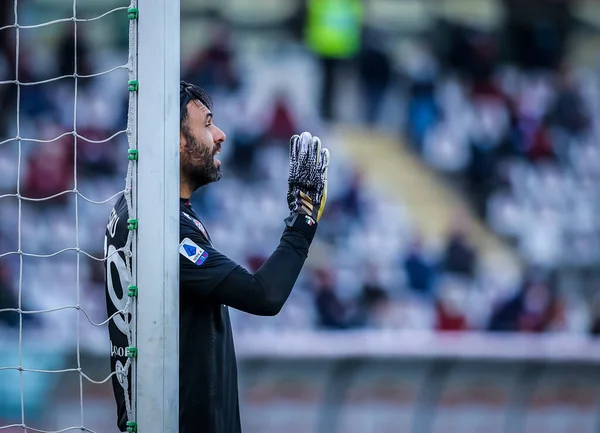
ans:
(209, 284)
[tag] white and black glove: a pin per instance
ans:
(307, 181)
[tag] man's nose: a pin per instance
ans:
(219, 136)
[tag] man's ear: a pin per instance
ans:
(182, 142)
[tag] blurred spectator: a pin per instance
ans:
(350, 201)
(375, 71)
(536, 307)
(97, 159)
(423, 111)
(333, 32)
(473, 52)
(460, 257)
(6, 14)
(96, 276)
(9, 299)
(282, 124)
(213, 66)
(540, 309)
(537, 32)
(420, 272)
(332, 313)
(7, 67)
(373, 299)
(244, 144)
(50, 171)
(540, 147)
(70, 50)
(450, 305)
(595, 316)
(569, 111)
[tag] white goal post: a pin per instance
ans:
(156, 199)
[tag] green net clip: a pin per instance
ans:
(133, 13)
(131, 352)
(132, 291)
(133, 154)
(134, 85)
(131, 427)
(132, 224)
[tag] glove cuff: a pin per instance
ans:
(303, 223)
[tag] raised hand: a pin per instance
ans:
(307, 180)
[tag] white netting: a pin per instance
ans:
(55, 199)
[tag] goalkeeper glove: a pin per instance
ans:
(307, 181)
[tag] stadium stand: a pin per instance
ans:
(374, 265)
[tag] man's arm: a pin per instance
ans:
(211, 274)
(222, 280)
(265, 292)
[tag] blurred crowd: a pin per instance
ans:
(520, 141)
(516, 130)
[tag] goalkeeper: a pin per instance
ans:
(210, 282)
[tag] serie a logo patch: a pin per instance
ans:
(192, 251)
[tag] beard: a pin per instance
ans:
(198, 166)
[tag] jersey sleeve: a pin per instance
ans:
(201, 266)
(207, 272)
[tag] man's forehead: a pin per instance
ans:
(198, 108)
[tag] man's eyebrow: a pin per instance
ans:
(201, 106)
(209, 116)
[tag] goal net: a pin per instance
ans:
(81, 123)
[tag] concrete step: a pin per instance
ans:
(431, 204)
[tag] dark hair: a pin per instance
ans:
(191, 92)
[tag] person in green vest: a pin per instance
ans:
(333, 33)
